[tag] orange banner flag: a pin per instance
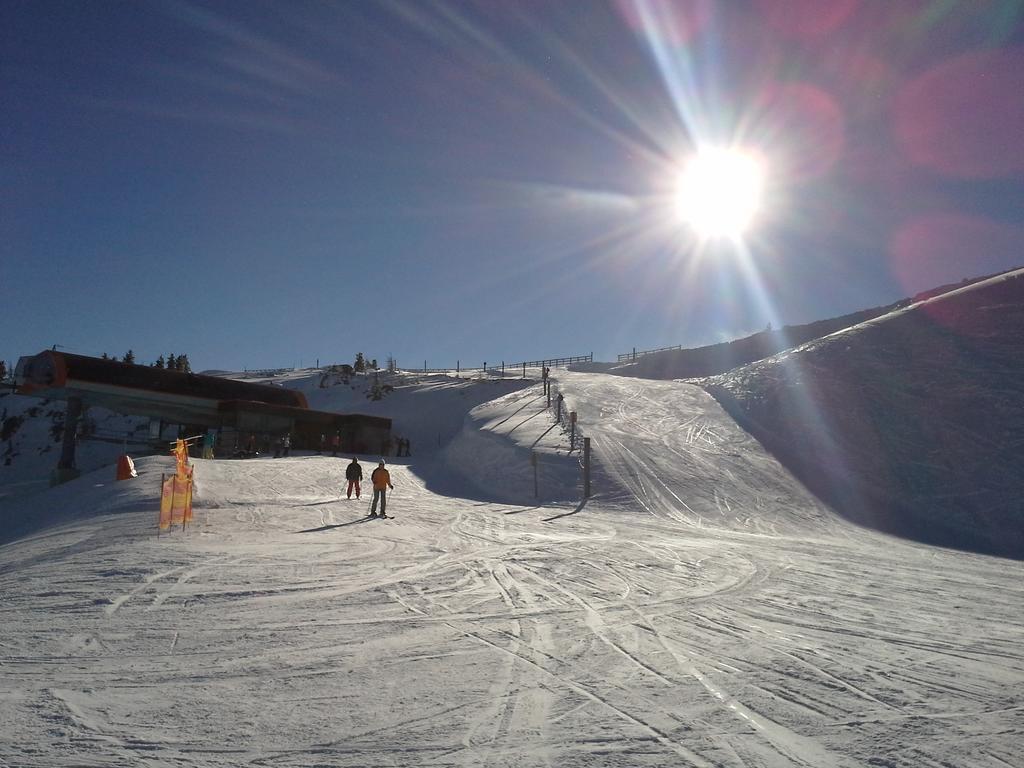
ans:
(178, 500)
(166, 497)
(181, 456)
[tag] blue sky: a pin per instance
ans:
(267, 184)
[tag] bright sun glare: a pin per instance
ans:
(719, 192)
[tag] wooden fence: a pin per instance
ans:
(503, 366)
(634, 354)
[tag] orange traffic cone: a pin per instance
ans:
(125, 467)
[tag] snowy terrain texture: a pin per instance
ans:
(703, 608)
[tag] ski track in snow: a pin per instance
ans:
(702, 610)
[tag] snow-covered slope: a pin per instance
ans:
(667, 449)
(911, 422)
(701, 610)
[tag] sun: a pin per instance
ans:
(719, 192)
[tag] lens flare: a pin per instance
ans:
(719, 192)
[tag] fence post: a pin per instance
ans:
(524, 370)
(586, 467)
(572, 430)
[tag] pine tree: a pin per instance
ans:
(360, 364)
(104, 356)
(159, 362)
(172, 362)
(3, 370)
(373, 363)
(183, 364)
(129, 357)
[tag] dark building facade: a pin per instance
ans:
(242, 412)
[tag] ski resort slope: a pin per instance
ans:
(678, 456)
(701, 610)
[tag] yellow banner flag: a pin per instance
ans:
(181, 456)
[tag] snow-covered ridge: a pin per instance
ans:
(909, 422)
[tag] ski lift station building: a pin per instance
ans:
(239, 410)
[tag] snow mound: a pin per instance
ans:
(492, 452)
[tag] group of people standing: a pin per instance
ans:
(283, 446)
(401, 445)
(334, 442)
(381, 480)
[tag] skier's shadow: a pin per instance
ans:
(579, 508)
(518, 511)
(337, 525)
